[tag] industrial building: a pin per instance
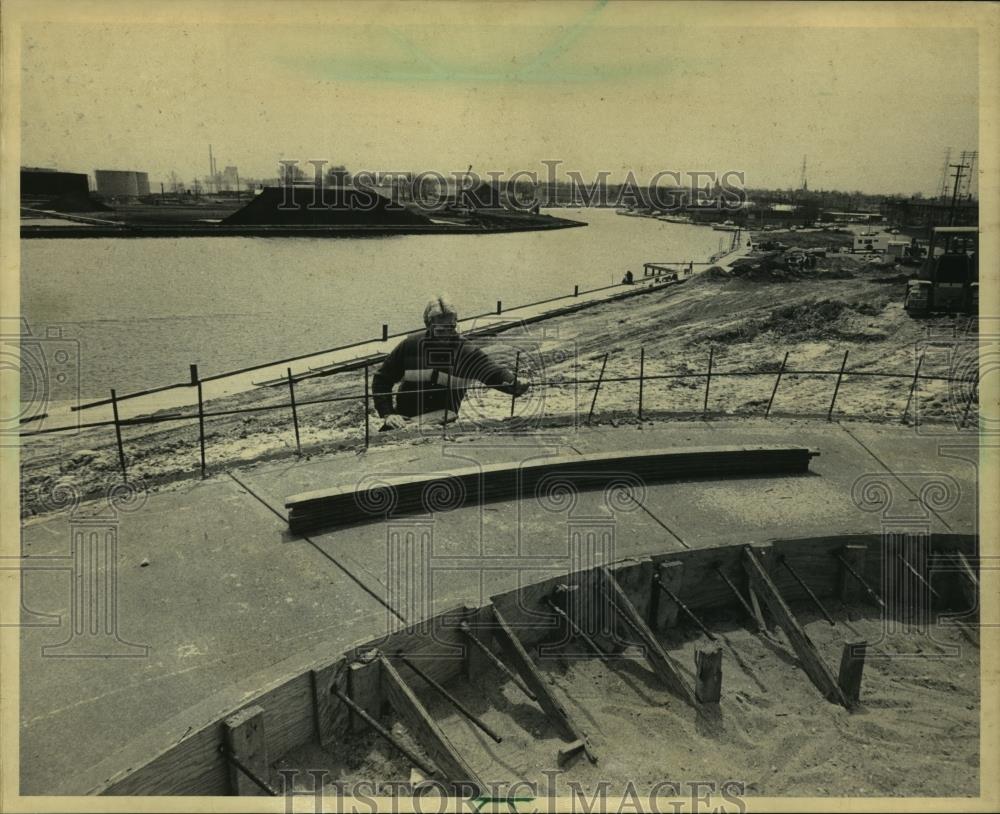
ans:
(38, 182)
(122, 183)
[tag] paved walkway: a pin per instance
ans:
(211, 589)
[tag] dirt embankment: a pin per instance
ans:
(746, 320)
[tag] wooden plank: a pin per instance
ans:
(517, 657)
(850, 589)
(708, 668)
(657, 657)
(331, 716)
(181, 754)
(852, 666)
(762, 551)
(662, 609)
(364, 688)
(428, 734)
(408, 494)
(475, 662)
(247, 742)
(809, 657)
(633, 577)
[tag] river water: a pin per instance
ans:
(137, 312)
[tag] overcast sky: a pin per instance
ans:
(597, 87)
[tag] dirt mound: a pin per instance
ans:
(819, 319)
(327, 206)
(76, 202)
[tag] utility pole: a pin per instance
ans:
(954, 195)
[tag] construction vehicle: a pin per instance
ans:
(949, 278)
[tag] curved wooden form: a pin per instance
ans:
(550, 478)
(296, 706)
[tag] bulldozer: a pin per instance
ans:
(949, 278)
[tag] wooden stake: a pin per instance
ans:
(364, 683)
(657, 657)
(852, 665)
(708, 664)
(662, 609)
(809, 657)
(331, 715)
(425, 729)
(518, 656)
(245, 741)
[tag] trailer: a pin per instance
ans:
(949, 279)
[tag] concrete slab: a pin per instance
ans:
(830, 500)
(221, 597)
(273, 483)
(228, 591)
(429, 563)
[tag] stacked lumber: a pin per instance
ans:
(552, 481)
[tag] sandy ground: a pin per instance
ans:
(747, 321)
(916, 732)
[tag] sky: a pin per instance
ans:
(599, 87)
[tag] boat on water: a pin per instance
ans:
(727, 226)
(674, 219)
(409, 686)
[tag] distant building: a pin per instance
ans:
(38, 182)
(122, 183)
(230, 179)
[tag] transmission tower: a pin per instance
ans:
(803, 183)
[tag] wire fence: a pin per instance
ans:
(366, 398)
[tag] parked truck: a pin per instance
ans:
(949, 278)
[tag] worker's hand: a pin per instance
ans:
(393, 422)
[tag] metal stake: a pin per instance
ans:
(861, 580)
(836, 389)
(739, 596)
(260, 783)
(968, 404)
(777, 381)
(913, 387)
(385, 733)
(684, 608)
(917, 574)
(503, 668)
(118, 435)
(642, 366)
(597, 389)
(577, 630)
(368, 430)
(782, 559)
(708, 381)
(295, 412)
(201, 428)
(513, 395)
(450, 698)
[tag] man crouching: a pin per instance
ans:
(436, 368)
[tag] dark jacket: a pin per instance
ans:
(442, 367)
